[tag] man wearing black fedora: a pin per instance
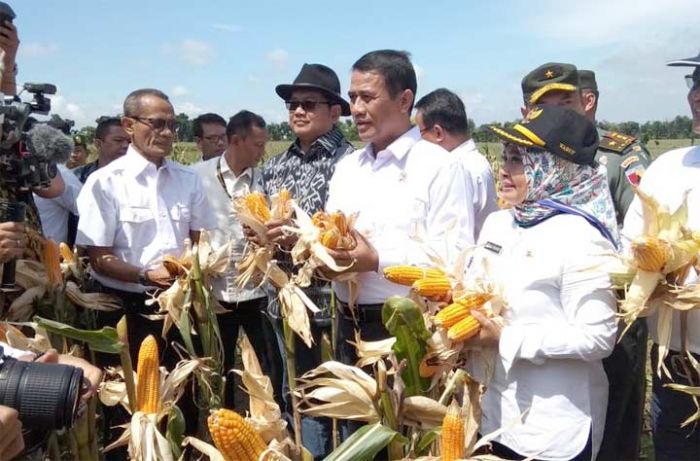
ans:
(304, 169)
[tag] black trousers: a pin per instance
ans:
(251, 317)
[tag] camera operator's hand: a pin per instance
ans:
(11, 440)
(91, 372)
(9, 42)
(12, 241)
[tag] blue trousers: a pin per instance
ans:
(669, 408)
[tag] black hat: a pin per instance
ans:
(687, 62)
(316, 77)
(555, 129)
(553, 76)
(586, 80)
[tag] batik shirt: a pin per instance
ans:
(306, 174)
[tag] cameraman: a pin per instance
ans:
(13, 236)
(11, 440)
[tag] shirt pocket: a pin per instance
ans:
(180, 213)
(135, 214)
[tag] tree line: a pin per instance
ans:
(680, 127)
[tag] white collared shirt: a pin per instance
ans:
(142, 212)
(560, 324)
(667, 179)
(228, 227)
(409, 186)
(54, 212)
(478, 172)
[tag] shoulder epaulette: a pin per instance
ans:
(616, 142)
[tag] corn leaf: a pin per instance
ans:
(103, 340)
(175, 430)
(404, 320)
(427, 440)
(365, 443)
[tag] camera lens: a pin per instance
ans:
(44, 395)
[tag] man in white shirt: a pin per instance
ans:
(55, 212)
(442, 120)
(140, 208)
(401, 187)
(668, 179)
(230, 175)
(209, 132)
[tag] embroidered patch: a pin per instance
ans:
(634, 174)
(493, 247)
(628, 161)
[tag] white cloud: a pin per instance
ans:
(180, 90)
(70, 110)
(604, 22)
(36, 49)
(195, 53)
(188, 108)
(278, 57)
(227, 27)
(420, 71)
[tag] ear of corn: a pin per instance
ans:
(52, 262)
(234, 437)
(257, 205)
(464, 329)
(66, 253)
(452, 433)
(148, 375)
(408, 275)
(650, 253)
(334, 230)
(460, 308)
(432, 286)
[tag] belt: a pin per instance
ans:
(364, 313)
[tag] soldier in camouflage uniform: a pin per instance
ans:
(625, 159)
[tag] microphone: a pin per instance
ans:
(49, 143)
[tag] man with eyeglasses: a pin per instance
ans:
(138, 209)
(209, 132)
(672, 177)
(315, 106)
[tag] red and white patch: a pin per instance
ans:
(634, 174)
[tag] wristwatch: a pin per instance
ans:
(143, 280)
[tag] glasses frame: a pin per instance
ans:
(308, 105)
(215, 138)
(149, 122)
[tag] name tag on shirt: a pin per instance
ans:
(493, 247)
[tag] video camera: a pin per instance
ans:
(46, 395)
(21, 166)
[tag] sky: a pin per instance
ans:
(226, 55)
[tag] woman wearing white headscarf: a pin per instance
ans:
(547, 252)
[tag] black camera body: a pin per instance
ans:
(46, 395)
(20, 168)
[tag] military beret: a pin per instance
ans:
(553, 76)
(79, 140)
(586, 80)
(556, 129)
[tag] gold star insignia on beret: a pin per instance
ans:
(549, 74)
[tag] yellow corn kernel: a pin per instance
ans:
(66, 253)
(52, 262)
(148, 377)
(432, 286)
(650, 253)
(330, 238)
(257, 205)
(408, 275)
(452, 433)
(464, 329)
(234, 437)
(451, 314)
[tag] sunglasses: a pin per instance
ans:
(693, 80)
(308, 105)
(157, 124)
(215, 138)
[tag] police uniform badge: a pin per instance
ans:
(634, 174)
